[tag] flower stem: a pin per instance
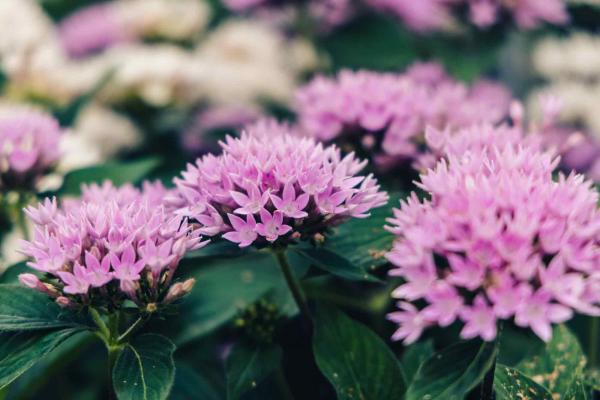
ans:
(102, 328)
(113, 354)
(487, 387)
(593, 341)
(293, 285)
(124, 338)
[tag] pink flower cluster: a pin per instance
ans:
(497, 239)
(92, 29)
(28, 146)
(113, 244)
(434, 15)
(326, 13)
(385, 114)
(272, 186)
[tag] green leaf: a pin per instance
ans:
(592, 379)
(414, 356)
(560, 363)
(511, 384)
(518, 344)
(20, 351)
(226, 286)
(248, 365)
(191, 385)
(364, 241)
(453, 372)
(11, 274)
(145, 369)
(354, 359)
(335, 264)
(577, 390)
(50, 366)
(118, 173)
(24, 309)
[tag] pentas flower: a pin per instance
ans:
(111, 245)
(436, 15)
(497, 239)
(385, 114)
(91, 29)
(28, 146)
(271, 186)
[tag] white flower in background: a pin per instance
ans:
(171, 19)
(24, 30)
(243, 61)
(8, 250)
(98, 135)
(577, 56)
(571, 66)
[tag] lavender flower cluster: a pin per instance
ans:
(389, 123)
(497, 239)
(112, 244)
(434, 15)
(28, 146)
(273, 186)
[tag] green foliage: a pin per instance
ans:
(335, 264)
(191, 385)
(248, 365)
(453, 372)
(414, 356)
(228, 285)
(510, 384)
(20, 351)
(355, 360)
(559, 365)
(23, 309)
(118, 173)
(145, 369)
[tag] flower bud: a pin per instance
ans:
(63, 302)
(29, 280)
(188, 285)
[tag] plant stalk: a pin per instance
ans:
(593, 341)
(293, 285)
(487, 386)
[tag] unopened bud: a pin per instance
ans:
(296, 235)
(188, 285)
(29, 280)
(151, 308)
(63, 302)
(175, 292)
(319, 238)
(51, 290)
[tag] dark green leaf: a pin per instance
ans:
(518, 344)
(248, 365)
(23, 309)
(145, 369)
(560, 363)
(118, 173)
(511, 384)
(577, 391)
(191, 385)
(451, 373)
(11, 274)
(226, 286)
(335, 264)
(354, 359)
(364, 241)
(592, 379)
(19, 351)
(49, 367)
(414, 356)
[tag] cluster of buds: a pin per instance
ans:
(271, 186)
(112, 245)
